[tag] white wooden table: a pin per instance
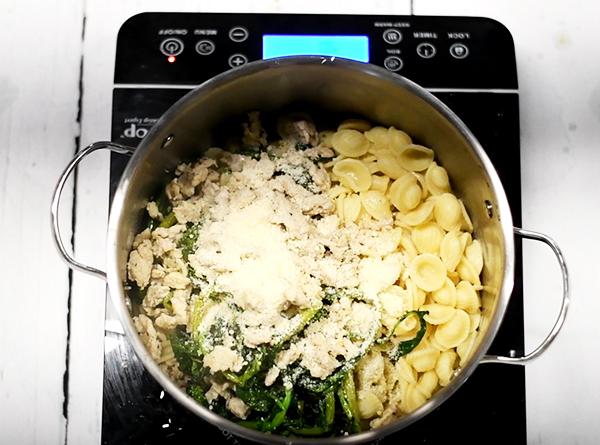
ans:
(52, 322)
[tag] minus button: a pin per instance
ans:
(238, 34)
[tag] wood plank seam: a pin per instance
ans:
(77, 143)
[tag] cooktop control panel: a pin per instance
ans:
(189, 48)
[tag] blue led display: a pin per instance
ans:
(349, 47)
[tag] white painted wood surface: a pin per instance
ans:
(559, 72)
(558, 61)
(40, 47)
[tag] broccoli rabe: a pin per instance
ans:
(404, 347)
(256, 396)
(168, 221)
(187, 242)
(186, 350)
(277, 419)
(166, 210)
(302, 146)
(347, 397)
(251, 370)
(136, 294)
(300, 175)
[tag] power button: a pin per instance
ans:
(171, 46)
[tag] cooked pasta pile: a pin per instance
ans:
(314, 285)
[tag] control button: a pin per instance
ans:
(393, 63)
(236, 60)
(459, 50)
(171, 46)
(238, 34)
(205, 47)
(426, 50)
(392, 36)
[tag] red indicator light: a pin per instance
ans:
(171, 59)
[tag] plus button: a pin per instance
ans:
(237, 60)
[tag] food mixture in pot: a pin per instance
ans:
(309, 284)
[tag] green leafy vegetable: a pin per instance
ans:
(277, 419)
(197, 393)
(309, 431)
(306, 316)
(186, 350)
(347, 397)
(302, 145)
(251, 370)
(187, 242)
(136, 294)
(163, 203)
(167, 302)
(256, 396)
(279, 416)
(164, 207)
(326, 417)
(404, 347)
(252, 151)
(168, 221)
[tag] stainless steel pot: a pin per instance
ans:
(335, 85)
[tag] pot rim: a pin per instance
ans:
(118, 297)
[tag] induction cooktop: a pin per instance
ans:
(467, 62)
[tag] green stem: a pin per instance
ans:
(168, 221)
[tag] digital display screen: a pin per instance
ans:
(349, 47)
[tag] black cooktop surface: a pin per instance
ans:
(468, 63)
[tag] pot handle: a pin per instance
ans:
(563, 308)
(66, 256)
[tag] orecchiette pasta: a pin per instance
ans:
(350, 143)
(353, 174)
(475, 320)
(465, 348)
(454, 331)
(451, 250)
(416, 158)
(379, 138)
(428, 237)
(444, 368)
(423, 357)
(475, 256)
(467, 271)
(447, 212)
(428, 272)
(413, 399)
(379, 183)
(376, 204)
(434, 343)
(410, 251)
(428, 383)
(388, 161)
(466, 297)
(382, 175)
(369, 405)
(352, 208)
(355, 124)
(436, 179)
(398, 139)
(466, 219)
(438, 313)
(417, 216)
(405, 371)
(325, 138)
(446, 294)
(405, 193)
